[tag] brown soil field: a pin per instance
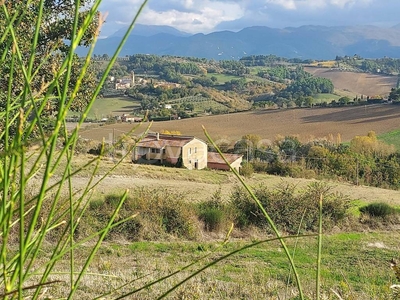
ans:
(352, 84)
(306, 124)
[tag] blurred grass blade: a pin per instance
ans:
(266, 215)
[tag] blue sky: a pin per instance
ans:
(205, 16)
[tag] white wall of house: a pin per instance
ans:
(194, 154)
(138, 152)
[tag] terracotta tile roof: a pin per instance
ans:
(214, 157)
(151, 141)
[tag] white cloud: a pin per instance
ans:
(314, 4)
(287, 4)
(194, 15)
(349, 3)
(206, 15)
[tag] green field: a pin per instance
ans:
(222, 78)
(320, 98)
(354, 266)
(201, 104)
(256, 70)
(391, 138)
(200, 107)
(104, 107)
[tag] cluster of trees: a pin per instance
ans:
(30, 62)
(395, 95)
(154, 99)
(270, 60)
(301, 89)
(158, 95)
(366, 160)
(307, 86)
(168, 68)
(234, 67)
(384, 65)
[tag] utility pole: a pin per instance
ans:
(357, 171)
(113, 145)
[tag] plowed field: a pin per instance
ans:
(357, 84)
(305, 123)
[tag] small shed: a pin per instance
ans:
(215, 161)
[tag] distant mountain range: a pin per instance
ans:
(305, 42)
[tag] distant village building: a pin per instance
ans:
(168, 85)
(127, 118)
(125, 83)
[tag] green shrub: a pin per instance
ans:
(112, 200)
(246, 211)
(380, 209)
(214, 213)
(132, 229)
(159, 212)
(95, 204)
(101, 149)
(247, 170)
(212, 218)
(289, 209)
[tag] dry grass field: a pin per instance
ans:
(199, 186)
(305, 123)
(352, 84)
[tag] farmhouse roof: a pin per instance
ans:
(159, 141)
(215, 158)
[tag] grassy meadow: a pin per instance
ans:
(355, 266)
(355, 257)
(391, 138)
(320, 98)
(104, 107)
(222, 78)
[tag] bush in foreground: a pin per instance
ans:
(292, 211)
(159, 214)
(380, 209)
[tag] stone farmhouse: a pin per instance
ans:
(190, 151)
(163, 148)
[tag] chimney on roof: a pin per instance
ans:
(158, 136)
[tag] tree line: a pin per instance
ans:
(366, 160)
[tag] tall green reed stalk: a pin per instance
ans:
(266, 215)
(23, 230)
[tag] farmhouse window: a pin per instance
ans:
(195, 149)
(190, 151)
(154, 150)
